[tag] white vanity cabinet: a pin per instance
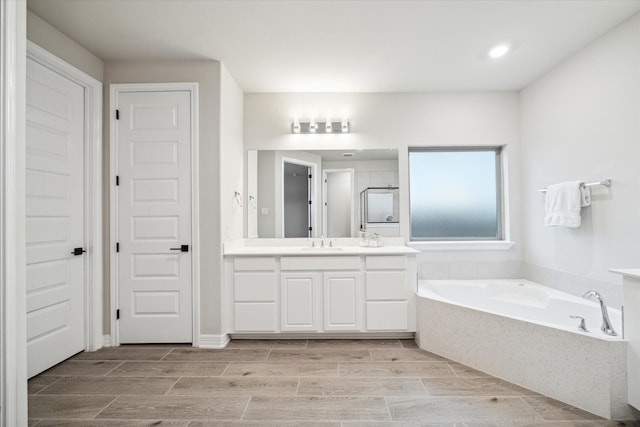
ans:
(387, 296)
(254, 293)
(321, 293)
(311, 294)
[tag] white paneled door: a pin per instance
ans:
(54, 218)
(154, 216)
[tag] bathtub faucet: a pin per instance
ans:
(606, 323)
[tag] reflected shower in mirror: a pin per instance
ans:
(314, 193)
(379, 211)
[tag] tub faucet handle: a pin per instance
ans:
(582, 326)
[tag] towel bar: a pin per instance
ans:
(605, 182)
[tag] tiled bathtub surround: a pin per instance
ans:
(579, 369)
(574, 284)
(444, 270)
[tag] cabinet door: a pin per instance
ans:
(387, 316)
(301, 301)
(342, 301)
(254, 317)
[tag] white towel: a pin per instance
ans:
(562, 204)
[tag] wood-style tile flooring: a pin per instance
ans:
(337, 383)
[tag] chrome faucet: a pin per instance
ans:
(606, 323)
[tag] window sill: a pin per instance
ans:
(468, 245)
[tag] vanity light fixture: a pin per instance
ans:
(498, 51)
(326, 126)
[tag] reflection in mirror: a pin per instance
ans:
(379, 211)
(314, 193)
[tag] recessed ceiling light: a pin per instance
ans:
(499, 51)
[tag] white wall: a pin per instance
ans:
(402, 120)
(582, 121)
(231, 155)
(49, 38)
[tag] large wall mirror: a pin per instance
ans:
(314, 193)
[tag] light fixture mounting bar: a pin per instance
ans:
(304, 126)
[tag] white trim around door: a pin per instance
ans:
(93, 306)
(114, 91)
(13, 373)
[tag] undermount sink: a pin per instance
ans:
(321, 249)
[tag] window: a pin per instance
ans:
(455, 193)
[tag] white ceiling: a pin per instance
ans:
(344, 45)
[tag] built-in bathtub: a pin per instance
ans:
(522, 332)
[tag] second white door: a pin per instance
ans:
(154, 217)
(55, 271)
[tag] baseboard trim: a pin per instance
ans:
(106, 341)
(214, 341)
(323, 335)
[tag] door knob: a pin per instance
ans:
(78, 251)
(182, 248)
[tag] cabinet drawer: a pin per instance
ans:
(387, 315)
(254, 264)
(254, 287)
(255, 317)
(314, 263)
(386, 262)
(386, 285)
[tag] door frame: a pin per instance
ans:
(13, 372)
(114, 91)
(325, 224)
(93, 262)
(313, 194)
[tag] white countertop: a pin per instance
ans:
(309, 251)
(630, 272)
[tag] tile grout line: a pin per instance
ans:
(386, 404)
(172, 386)
(95, 417)
(166, 354)
(537, 416)
(47, 386)
(221, 374)
(246, 406)
(114, 368)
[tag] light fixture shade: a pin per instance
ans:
(328, 127)
(344, 126)
(295, 126)
(313, 126)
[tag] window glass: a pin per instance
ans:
(455, 194)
